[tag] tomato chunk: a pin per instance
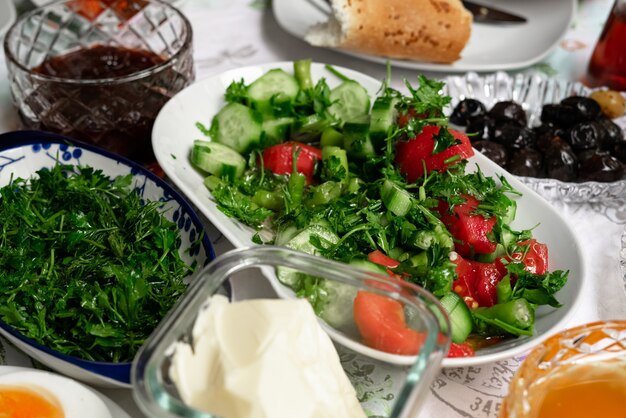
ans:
(381, 258)
(464, 285)
(279, 159)
(471, 231)
(460, 350)
(487, 277)
(414, 154)
(381, 323)
(535, 258)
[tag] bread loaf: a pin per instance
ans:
(420, 30)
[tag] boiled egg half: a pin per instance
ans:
(39, 394)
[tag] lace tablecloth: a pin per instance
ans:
(233, 33)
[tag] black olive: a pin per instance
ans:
(560, 161)
(492, 150)
(466, 109)
(493, 127)
(476, 128)
(612, 133)
(585, 135)
(544, 135)
(601, 167)
(619, 151)
(587, 108)
(526, 162)
(508, 112)
(515, 137)
(559, 115)
(586, 154)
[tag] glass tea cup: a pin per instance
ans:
(387, 385)
(99, 70)
(577, 373)
(607, 66)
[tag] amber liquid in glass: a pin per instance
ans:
(585, 391)
(608, 61)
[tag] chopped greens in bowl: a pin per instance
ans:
(95, 250)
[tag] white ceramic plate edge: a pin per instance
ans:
(282, 13)
(171, 149)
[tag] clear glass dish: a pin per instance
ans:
(384, 388)
(532, 91)
(574, 359)
(115, 112)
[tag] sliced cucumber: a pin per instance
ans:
(212, 182)
(507, 236)
(276, 130)
(285, 234)
(310, 128)
(356, 139)
(395, 198)
(331, 137)
(420, 260)
(460, 317)
(398, 253)
(302, 242)
(350, 101)
(335, 163)
(382, 119)
(217, 159)
(510, 213)
(338, 312)
(238, 127)
(271, 89)
(324, 193)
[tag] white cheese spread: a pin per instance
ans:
(262, 358)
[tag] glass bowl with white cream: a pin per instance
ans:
(371, 349)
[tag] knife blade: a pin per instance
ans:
(488, 14)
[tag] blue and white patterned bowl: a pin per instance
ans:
(21, 155)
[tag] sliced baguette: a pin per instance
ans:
(420, 30)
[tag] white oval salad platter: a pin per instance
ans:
(175, 130)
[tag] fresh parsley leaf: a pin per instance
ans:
(538, 289)
(239, 206)
(444, 140)
(237, 92)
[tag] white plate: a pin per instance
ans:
(491, 47)
(174, 132)
(73, 388)
(7, 15)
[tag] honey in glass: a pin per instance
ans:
(608, 61)
(577, 373)
(597, 389)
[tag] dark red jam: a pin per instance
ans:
(99, 61)
(116, 114)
